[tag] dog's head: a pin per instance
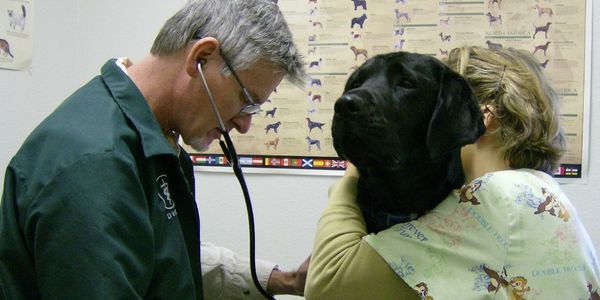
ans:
(401, 106)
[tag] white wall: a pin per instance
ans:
(74, 38)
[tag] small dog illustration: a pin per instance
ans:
(543, 47)
(543, 29)
(355, 35)
(312, 50)
(312, 142)
(399, 45)
(273, 126)
(312, 11)
(399, 31)
(5, 48)
(313, 124)
(313, 98)
(361, 3)
(315, 81)
(358, 52)
(490, 2)
(492, 45)
(400, 14)
(312, 37)
(492, 18)
(445, 37)
(316, 23)
(358, 21)
(315, 63)
(443, 52)
(545, 63)
(271, 112)
(273, 142)
(16, 19)
(543, 10)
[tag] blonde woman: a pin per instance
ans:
(508, 233)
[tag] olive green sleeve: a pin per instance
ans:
(343, 265)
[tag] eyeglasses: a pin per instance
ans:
(252, 107)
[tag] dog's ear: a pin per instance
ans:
(456, 120)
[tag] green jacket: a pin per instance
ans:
(96, 204)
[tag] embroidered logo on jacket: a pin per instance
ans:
(162, 185)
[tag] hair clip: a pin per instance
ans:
(497, 90)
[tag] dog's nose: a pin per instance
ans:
(348, 103)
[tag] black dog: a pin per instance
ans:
(358, 21)
(401, 121)
(361, 3)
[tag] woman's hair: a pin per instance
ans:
(247, 30)
(524, 104)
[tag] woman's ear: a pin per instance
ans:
(201, 53)
(489, 118)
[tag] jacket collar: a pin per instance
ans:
(134, 106)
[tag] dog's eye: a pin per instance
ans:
(406, 83)
(353, 85)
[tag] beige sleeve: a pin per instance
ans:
(343, 265)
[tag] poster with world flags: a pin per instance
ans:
(290, 163)
(292, 131)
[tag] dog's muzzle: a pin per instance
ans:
(357, 126)
(346, 108)
(349, 104)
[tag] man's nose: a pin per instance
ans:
(242, 123)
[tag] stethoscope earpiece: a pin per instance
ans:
(200, 63)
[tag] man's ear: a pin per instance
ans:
(201, 52)
(457, 119)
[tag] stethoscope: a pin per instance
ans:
(233, 160)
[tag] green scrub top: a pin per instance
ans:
(96, 204)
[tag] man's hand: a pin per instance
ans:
(288, 283)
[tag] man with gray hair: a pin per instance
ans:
(98, 203)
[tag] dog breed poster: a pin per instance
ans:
(293, 129)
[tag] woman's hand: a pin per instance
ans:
(351, 170)
(289, 283)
